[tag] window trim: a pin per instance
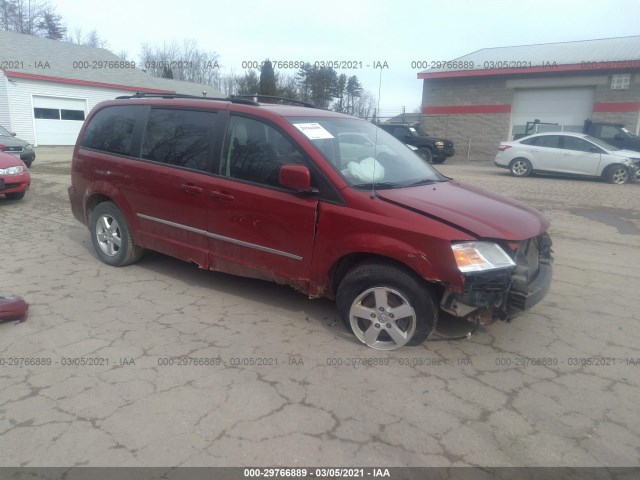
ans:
(211, 160)
(327, 190)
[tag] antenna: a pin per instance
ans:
(375, 148)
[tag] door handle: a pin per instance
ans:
(191, 188)
(220, 195)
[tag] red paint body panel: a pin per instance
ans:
(14, 183)
(486, 214)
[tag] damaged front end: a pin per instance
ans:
(499, 282)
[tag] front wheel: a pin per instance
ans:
(426, 154)
(385, 306)
(111, 236)
(617, 174)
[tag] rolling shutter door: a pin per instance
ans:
(58, 120)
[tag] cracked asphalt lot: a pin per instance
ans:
(269, 377)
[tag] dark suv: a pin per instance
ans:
(321, 201)
(432, 149)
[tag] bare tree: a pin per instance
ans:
(91, 39)
(94, 40)
(364, 105)
(184, 62)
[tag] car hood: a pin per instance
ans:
(8, 160)
(626, 153)
(471, 209)
(13, 141)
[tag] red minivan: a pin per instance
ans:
(327, 203)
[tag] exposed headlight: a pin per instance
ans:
(479, 256)
(11, 170)
(439, 144)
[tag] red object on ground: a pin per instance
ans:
(13, 308)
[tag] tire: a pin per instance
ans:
(426, 154)
(111, 236)
(520, 167)
(16, 195)
(617, 174)
(369, 300)
(28, 161)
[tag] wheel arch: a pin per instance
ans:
(606, 171)
(347, 262)
(104, 192)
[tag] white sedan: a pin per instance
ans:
(568, 154)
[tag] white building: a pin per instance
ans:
(47, 87)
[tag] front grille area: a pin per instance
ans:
(12, 149)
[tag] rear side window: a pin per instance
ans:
(548, 141)
(179, 137)
(111, 130)
(578, 144)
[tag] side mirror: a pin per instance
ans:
(594, 150)
(618, 136)
(13, 134)
(407, 135)
(295, 177)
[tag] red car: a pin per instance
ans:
(14, 177)
(327, 203)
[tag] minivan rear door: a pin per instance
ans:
(168, 192)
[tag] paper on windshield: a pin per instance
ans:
(313, 131)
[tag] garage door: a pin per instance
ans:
(58, 120)
(568, 107)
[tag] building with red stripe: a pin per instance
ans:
(485, 97)
(47, 87)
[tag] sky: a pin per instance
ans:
(391, 33)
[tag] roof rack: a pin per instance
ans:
(180, 95)
(273, 97)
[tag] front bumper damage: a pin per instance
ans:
(503, 293)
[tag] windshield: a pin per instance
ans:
(4, 132)
(365, 154)
(601, 143)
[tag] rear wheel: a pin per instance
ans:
(520, 167)
(111, 236)
(385, 306)
(617, 174)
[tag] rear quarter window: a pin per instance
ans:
(111, 129)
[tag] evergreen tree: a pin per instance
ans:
(267, 80)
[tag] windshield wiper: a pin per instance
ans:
(424, 181)
(377, 185)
